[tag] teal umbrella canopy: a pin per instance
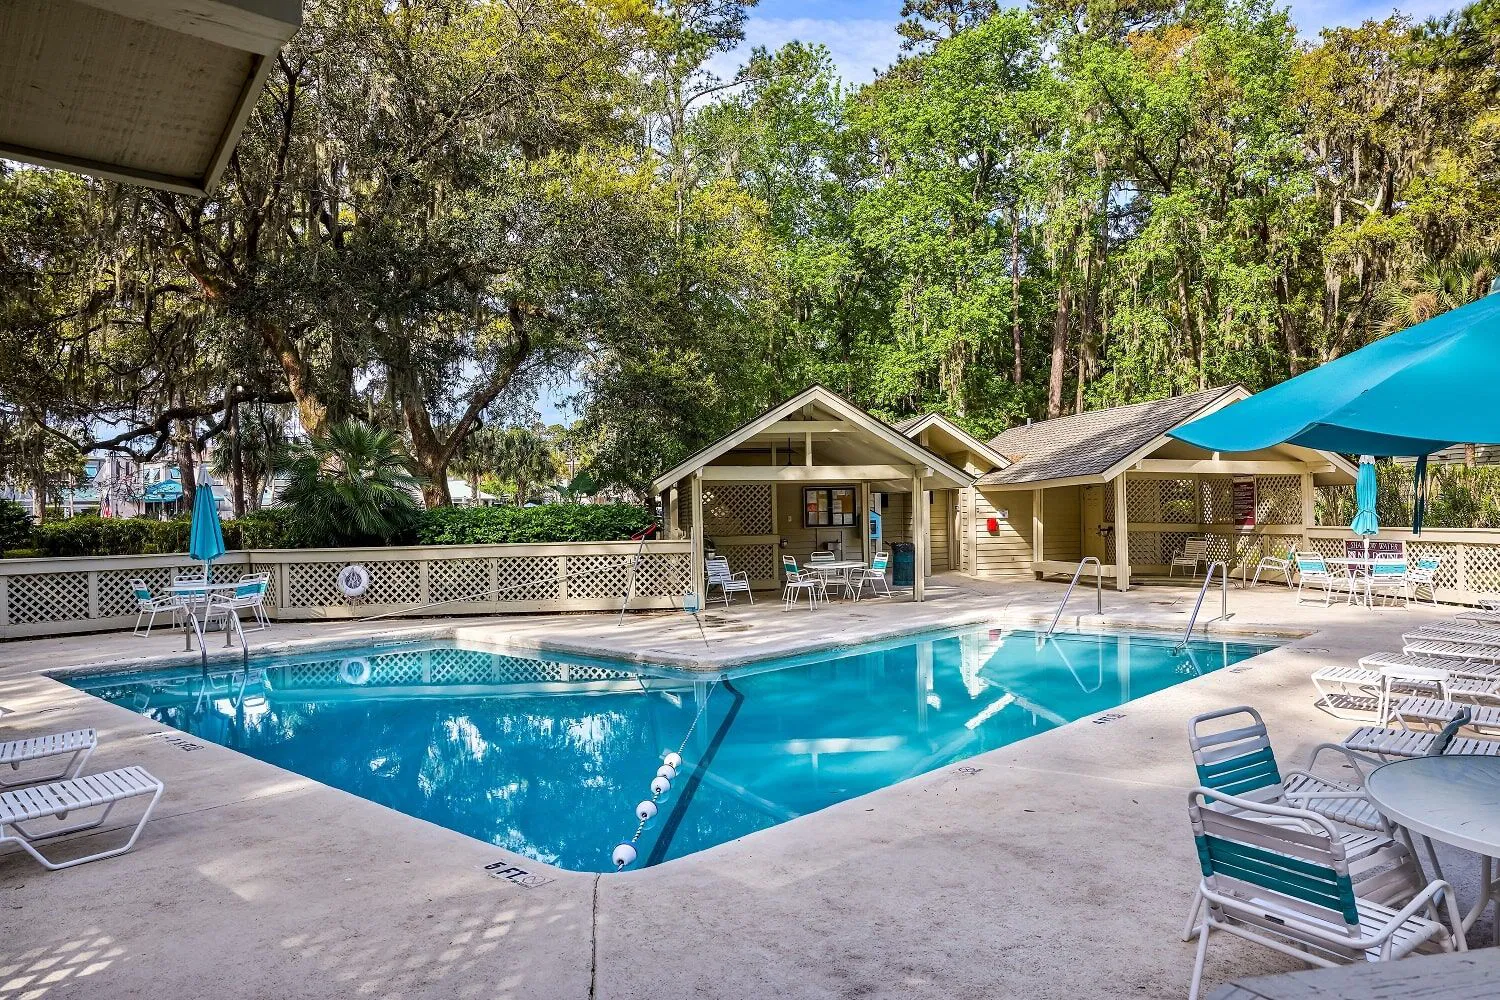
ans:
(1411, 393)
(206, 542)
(1365, 491)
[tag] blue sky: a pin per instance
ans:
(861, 36)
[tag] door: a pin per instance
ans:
(1092, 517)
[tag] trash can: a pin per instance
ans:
(903, 564)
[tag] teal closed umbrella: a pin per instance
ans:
(206, 543)
(1365, 491)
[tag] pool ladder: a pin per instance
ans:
(1098, 591)
(1224, 614)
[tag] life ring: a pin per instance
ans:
(354, 580)
(355, 670)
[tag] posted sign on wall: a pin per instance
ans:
(1243, 493)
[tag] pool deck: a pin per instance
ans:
(1060, 866)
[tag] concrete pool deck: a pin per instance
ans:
(1060, 866)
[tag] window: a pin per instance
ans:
(828, 507)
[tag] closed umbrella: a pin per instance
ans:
(206, 542)
(1365, 491)
(1414, 392)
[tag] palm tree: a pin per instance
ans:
(525, 460)
(352, 485)
(480, 454)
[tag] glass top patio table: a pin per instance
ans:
(1454, 799)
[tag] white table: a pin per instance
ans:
(194, 597)
(839, 568)
(1351, 564)
(1455, 800)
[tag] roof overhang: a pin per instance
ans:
(818, 398)
(151, 92)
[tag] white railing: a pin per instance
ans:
(1469, 558)
(58, 596)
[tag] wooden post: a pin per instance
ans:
(1037, 527)
(864, 521)
(674, 512)
(1122, 535)
(697, 536)
(919, 537)
(1309, 509)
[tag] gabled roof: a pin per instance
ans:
(1094, 443)
(828, 399)
(913, 427)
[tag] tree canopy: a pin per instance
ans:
(440, 207)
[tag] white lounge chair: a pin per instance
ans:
(70, 749)
(1194, 552)
(1393, 743)
(1463, 633)
(1456, 667)
(874, 575)
(26, 806)
(148, 607)
(728, 582)
(1280, 877)
(1437, 712)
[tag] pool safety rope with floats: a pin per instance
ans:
(661, 784)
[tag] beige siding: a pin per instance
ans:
(940, 528)
(801, 540)
(1062, 517)
(1005, 553)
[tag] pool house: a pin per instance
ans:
(1031, 503)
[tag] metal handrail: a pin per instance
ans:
(1098, 591)
(1224, 615)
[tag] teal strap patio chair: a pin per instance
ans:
(148, 607)
(1388, 575)
(1280, 877)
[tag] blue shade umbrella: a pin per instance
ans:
(1412, 393)
(1365, 491)
(206, 542)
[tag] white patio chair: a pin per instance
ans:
(22, 809)
(821, 555)
(728, 582)
(1275, 564)
(1388, 575)
(1313, 571)
(148, 607)
(874, 575)
(1281, 878)
(1424, 574)
(248, 595)
(798, 582)
(71, 750)
(1194, 551)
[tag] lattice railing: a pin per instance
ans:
(56, 596)
(433, 667)
(1468, 560)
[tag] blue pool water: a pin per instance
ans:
(548, 756)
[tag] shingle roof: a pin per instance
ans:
(1089, 444)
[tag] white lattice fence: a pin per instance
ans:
(56, 596)
(737, 509)
(758, 560)
(1468, 560)
(1278, 500)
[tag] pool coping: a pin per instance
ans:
(222, 655)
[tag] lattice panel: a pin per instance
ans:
(309, 674)
(1278, 499)
(1177, 501)
(48, 597)
(662, 574)
(1145, 548)
(388, 669)
(395, 582)
(1328, 548)
(458, 580)
(313, 585)
(1109, 504)
(1217, 500)
(1481, 568)
(528, 578)
(738, 509)
(757, 560)
(115, 595)
(273, 584)
(602, 576)
(1142, 503)
(1447, 556)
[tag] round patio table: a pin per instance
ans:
(1454, 799)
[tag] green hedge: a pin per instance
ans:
(557, 522)
(269, 529)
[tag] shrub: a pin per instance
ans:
(15, 525)
(260, 529)
(88, 535)
(558, 522)
(1457, 497)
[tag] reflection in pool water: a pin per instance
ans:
(548, 756)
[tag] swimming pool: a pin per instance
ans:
(549, 755)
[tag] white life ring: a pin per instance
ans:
(355, 670)
(354, 580)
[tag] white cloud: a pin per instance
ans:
(861, 47)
